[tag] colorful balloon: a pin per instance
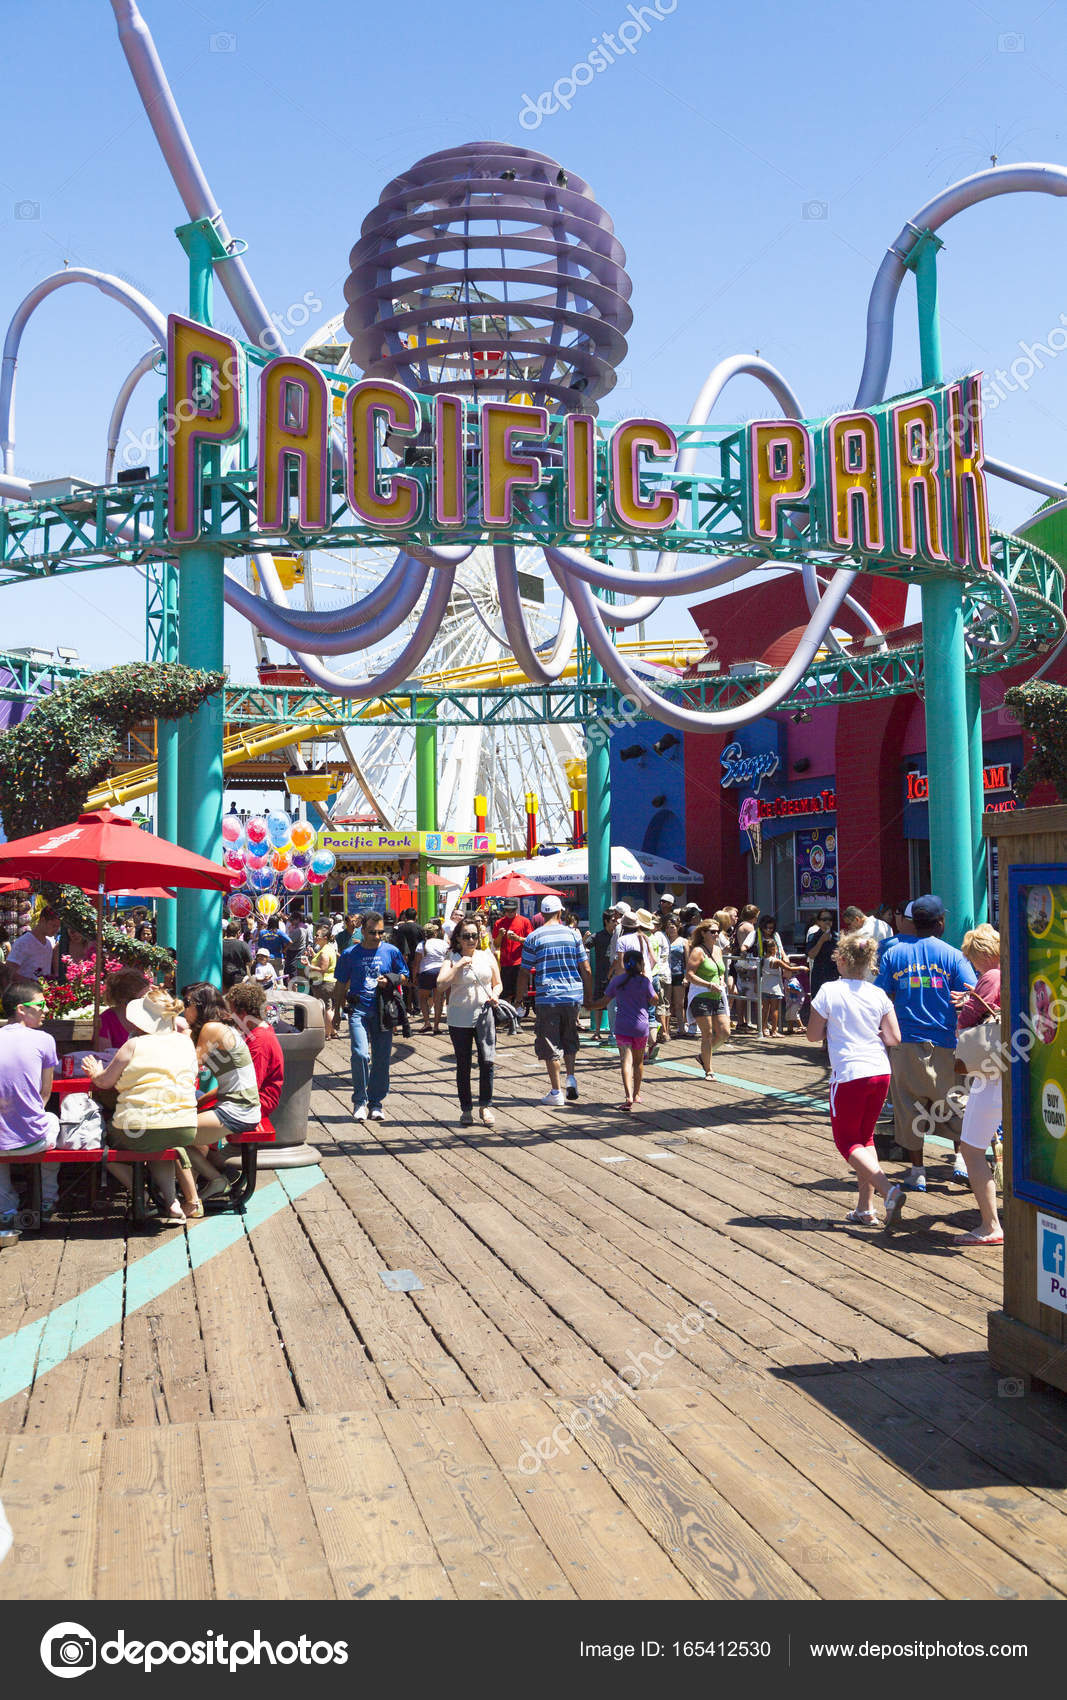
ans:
(294, 879)
(267, 906)
(234, 860)
(256, 830)
(257, 858)
(280, 860)
(323, 862)
(302, 835)
(315, 879)
(239, 905)
(278, 829)
(301, 859)
(261, 879)
(232, 828)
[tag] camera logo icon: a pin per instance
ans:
(224, 42)
(27, 209)
(816, 210)
(68, 1649)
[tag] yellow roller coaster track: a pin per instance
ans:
(257, 741)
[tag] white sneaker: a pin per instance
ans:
(359, 1112)
(377, 1115)
(554, 1101)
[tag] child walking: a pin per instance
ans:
(633, 992)
(858, 1021)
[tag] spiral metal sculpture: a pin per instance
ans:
(489, 271)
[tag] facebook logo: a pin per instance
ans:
(1053, 1252)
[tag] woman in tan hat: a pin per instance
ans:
(154, 1074)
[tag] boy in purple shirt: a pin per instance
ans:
(633, 992)
(28, 1061)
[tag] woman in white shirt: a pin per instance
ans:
(470, 980)
(429, 957)
(858, 1021)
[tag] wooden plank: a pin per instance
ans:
(487, 1543)
(81, 1393)
(714, 1548)
(825, 1547)
(265, 1544)
(326, 1356)
(164, 1370)
(939, 1546)
(50, 1488)
(376, 1543)
(151, 1517)
(600, 1545)
(406, 1359)
(246, 1358)
(486, 1357)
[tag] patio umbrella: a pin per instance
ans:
(103, 852)
(513, 885)
(12, 885)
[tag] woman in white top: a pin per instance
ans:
(429, 957)
(470, 980)
(858, 1021)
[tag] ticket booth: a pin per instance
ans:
(1028, 1336)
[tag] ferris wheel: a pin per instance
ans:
(501, 763)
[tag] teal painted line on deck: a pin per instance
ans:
(777, 1092)
(39, 1346)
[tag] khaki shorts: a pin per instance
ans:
(926, 1093)
(555, 1031)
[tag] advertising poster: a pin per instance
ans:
(1039, 1021)
(361, 895)
(816, 868)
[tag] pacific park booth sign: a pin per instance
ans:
(893, 485)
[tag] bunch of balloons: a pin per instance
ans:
(270, 854)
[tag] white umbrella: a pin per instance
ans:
(628, 867)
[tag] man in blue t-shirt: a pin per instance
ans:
(362, 969)
(919, 975)
(558, 958)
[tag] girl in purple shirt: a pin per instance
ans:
(633, 993)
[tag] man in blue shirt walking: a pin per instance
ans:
(363, 968)
(558, 959)
(919, 975)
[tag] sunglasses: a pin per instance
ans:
(33, 1003)
(374, 932)
(468, 938)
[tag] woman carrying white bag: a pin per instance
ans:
(978, 1048)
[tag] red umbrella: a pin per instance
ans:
(10, 885)
(513, 885)
(103, 852)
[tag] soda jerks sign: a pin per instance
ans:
(896, 483)
(817, 803)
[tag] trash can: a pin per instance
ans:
(298, 1022)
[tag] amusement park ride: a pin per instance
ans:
(447, 473)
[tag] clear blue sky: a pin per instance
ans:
(712, 145)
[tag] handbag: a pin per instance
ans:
(978, 1045)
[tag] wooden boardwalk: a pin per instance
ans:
(259, 1416)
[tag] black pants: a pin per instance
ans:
(509, 976)
(463, 1044)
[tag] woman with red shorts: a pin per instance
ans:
(858, 1022)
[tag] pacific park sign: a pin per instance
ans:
(896, 485)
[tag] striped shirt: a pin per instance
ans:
(556, 955)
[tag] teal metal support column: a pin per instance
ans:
(598, 807)
(976, 770)
(948, 754)
(426, 797)
(948, 743)
(167, 735)
(199, 735)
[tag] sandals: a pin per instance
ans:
(980, 1239)
(625, 1106)
(192, 1215)
(863, 1219)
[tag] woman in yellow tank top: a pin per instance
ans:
(154, 1074)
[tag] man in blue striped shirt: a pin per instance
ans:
(557, 958)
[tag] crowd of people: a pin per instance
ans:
(886, 997)
(172, 1073)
